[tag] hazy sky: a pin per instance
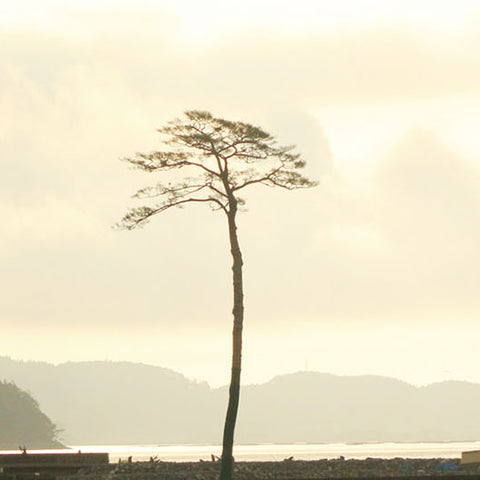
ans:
(376, 271)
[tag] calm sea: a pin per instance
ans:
(187, 453)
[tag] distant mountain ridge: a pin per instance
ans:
(130, 403)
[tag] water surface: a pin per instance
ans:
(274, 452)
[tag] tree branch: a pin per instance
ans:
(138, 216)
(155, 161)
(181, 190)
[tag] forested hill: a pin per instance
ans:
(22, 423)
(126, 403)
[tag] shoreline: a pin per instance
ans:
(278, 452)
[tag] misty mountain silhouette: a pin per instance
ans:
(130, 403)
(22, 423)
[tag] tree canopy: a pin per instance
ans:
(217, 160)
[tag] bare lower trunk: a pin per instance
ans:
(234, 393)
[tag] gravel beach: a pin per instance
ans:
(288, 469)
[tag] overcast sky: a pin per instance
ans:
(377, 270)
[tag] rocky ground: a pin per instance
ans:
(289, 469)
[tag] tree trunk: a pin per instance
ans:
(234, 393)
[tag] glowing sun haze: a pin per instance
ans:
(375, 271)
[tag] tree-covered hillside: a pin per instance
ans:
(22, 423)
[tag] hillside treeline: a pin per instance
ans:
(22, 423)
(118, 403)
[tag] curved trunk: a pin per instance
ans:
(234, 392)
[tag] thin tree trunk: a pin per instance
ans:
(234, 393)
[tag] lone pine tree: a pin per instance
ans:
(215, 160)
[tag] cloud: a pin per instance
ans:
(244, 69)
(73, 104)
(405, 251)
(374, 64)
(51, 222)
(429, 199)
(431, 192)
